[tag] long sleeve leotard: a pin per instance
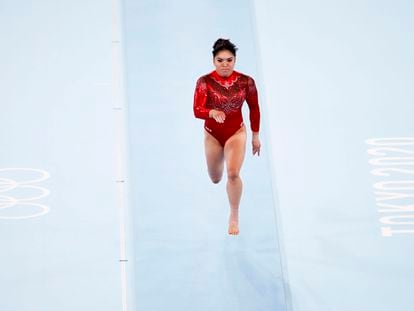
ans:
(226, 94)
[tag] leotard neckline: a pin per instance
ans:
(225, 81)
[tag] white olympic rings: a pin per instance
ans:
(7, 184)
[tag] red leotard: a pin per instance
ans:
(226, 94)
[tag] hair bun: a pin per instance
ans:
(224, 44)
(220, 42)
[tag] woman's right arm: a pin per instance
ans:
(200, 99)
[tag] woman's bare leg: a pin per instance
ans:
(214, 156)
(234, 151)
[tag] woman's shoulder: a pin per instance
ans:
(203, 78)
(244, 75)
(206, 75)
(245, 78)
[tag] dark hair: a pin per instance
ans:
(222, 45)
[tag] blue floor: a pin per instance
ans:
(105, 201)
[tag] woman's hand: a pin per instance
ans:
(256, 144)
(217, 115)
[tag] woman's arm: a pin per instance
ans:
(253, 103)
(200, 99)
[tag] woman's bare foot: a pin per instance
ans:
(234, 223)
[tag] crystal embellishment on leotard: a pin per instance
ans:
(226, 82)
(226, 94)
(232, 105)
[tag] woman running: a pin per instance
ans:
(218, 99)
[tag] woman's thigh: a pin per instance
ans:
(215, 157)
(234, 151)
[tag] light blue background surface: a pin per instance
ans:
(331, 74)
(337, 73)
(56, 115)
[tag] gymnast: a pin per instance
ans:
(218, 99)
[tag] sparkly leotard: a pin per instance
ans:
(226, 94)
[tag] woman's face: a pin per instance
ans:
(224, 63)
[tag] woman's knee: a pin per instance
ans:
(215, 179)
(233, 174)
(216, 174)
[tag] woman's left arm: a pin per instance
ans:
(253, 103)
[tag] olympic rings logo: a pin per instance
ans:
(13, 181)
